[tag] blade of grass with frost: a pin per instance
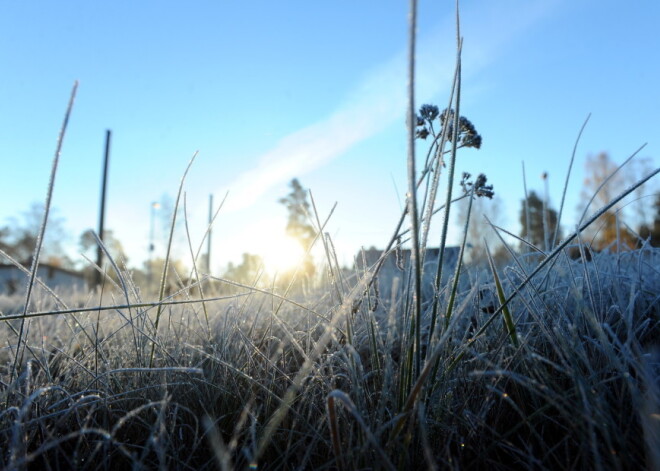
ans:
(537, 294)
(336, 270)
(435, 167)
(24, 316)
(515, 257)
(130, 319)
(398, 232)
(452, 297)
(437, 162)
(342, 397)
(289, 396)
(424, 439)
(124, 289)
(589, 282)
(104, 249)
(508, 320)
(418, 387)
(307, 252)
(334, 432)
(450, 180)
(77, 435)
(284, 298)
(18, 357)
(217, 444)
(119, 307)
(412, 189)
(451, 170)
(554, 254)
(568, 175)
(195, 256)
(459, 263)
(255, 289)
(329, 254)
(193, 259)
(163, 280)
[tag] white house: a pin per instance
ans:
(397, 266)
(393, 265)
(14, 281)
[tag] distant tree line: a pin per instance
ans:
(612, 230)
(18, 239)
(620, 228)
(538, 227)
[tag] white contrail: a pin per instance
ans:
(379, 100)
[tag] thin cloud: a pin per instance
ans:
(371, 107)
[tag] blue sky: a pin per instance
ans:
(269, 91)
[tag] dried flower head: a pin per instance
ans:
(480, 187)
(422, 133)
(467, 133)
(428, 112)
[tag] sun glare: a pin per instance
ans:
(281, 254)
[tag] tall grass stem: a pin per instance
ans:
(18, 357)
(163, 278)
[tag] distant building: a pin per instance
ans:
(372, 256)
(397, 265)
(14, 281)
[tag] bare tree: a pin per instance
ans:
(19, 237)
(298, 225)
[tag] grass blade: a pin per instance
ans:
(415, 250)
(18, 357)
(508, 320)
(163, 279)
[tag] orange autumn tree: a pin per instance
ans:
(611, 229)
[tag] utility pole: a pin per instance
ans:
(152, 246)
(208, 241)
(99, 251)
(547, 237)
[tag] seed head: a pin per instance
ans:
(480, 187)
(422, 133)
(467, 133)
(428, 112)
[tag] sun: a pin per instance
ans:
(281, 253)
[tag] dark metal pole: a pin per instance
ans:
(99, 251)
(208, 242)
(546, 222)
